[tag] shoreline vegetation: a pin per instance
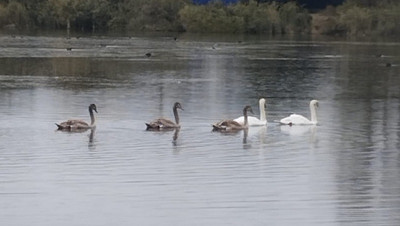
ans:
(352, 18)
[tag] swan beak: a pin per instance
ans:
(95, 110)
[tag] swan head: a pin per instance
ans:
(93, 107)
(314, 103)
(248, 109)
(177, 105)
(262, 102)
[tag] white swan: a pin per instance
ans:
(253, 121)
(295, 119)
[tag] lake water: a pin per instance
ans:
(345, 171)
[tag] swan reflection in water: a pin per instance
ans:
(167, 130)
(301, 132)
(298, 130)
(91, 144)
(245, 135)
(175, 137)
(234, 133)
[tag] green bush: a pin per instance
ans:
(3, 16)
(357, 19)
(387, 20)
(270, 18)
(213, 18)
(354, 17)
(154, 15)
(259, 19)
(294, 18)
(17, 14)
(46, 16)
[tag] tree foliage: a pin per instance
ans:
(354, 17)
(369, 17)
(249, 17)
(154, 15)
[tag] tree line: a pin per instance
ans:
(361, 18)
(250, 16)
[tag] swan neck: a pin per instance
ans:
(313, 113)
(263, 116)
(92, 118)
(176, 116)
(246, 123)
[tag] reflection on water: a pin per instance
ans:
(92, 145)
(342, 172)
(176, 134)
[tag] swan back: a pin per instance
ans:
(227, 125)
(295, 119)
(252, 121)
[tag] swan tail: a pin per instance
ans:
(64, 127)
(218, 128)
(152, 126)
(59, 127)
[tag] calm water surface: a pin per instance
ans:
(344, 171)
